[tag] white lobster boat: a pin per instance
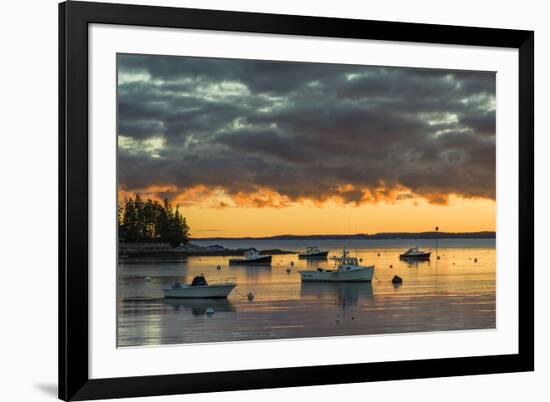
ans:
(200, 289)
(347, 269)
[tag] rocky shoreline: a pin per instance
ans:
(193, 250)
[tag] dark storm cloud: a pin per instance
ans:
(305, 130)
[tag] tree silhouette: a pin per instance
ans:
(151, 221)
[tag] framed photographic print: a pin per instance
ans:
(256, 200)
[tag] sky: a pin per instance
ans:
(260, 148)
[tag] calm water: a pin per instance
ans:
(452, 293)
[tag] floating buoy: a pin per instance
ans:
(250, 296)
(218, 267)
(475, 259)
(396, 280)
(147, 279)
(438, 257)
(288, 270)
(209, 311)
(391, 266)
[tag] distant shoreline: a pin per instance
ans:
(362, 236)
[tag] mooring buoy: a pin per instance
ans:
(396, 280)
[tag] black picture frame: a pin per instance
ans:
(74, 18)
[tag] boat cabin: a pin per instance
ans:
(345, 260)
(251, 254)
(199, 280)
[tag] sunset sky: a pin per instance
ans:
(260, 148)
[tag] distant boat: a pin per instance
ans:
(415, 254)
(200, 289)
(313, 253)
(251, 257)
(347, 269)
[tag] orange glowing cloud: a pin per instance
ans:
(264, 197)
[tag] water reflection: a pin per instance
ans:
(344, 294)
(252, 273)
(198, 306)
(455, 292)
(416, 263)
(321, 263)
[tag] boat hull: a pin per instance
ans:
(199, 292)
(355, 275)
(262, 260)
(417, 257)
(314, 256)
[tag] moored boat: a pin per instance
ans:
(415, 254)
(251, 257)
(313, 253)
(200, 289)
(347, 269)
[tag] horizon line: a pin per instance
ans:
(492, 232)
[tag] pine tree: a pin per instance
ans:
(151, 221)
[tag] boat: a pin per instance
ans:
(251, 257)
(415, 254)
(200, 289)
(347, 269)
(313, 253)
